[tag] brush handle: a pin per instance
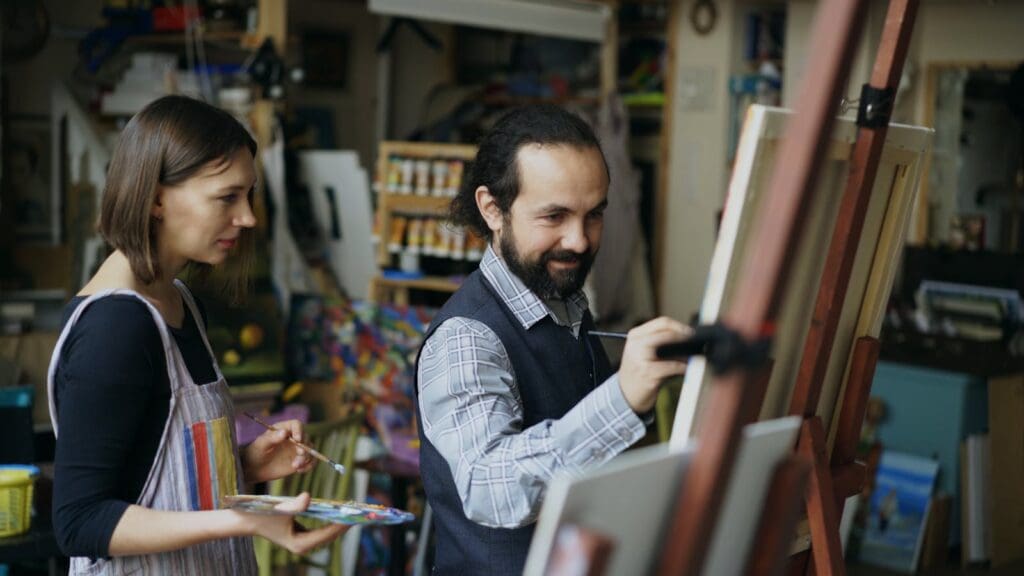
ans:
(312, 451)
(600, 334)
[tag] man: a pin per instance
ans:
(511, 389)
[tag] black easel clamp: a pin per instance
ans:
(724, 348)
(875, 106)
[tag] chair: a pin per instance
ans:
(336, 440)
(665, 408)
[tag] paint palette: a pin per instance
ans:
(336, 511)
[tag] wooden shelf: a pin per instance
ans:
(644, 100)
(173, 38)
(389, 203)
(646, 28)
(435, 283)
(504, 100)
(396, 290)
(427, 205)
(427, 150)
(233, 38)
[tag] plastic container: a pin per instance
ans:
(16, 483)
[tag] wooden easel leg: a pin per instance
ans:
(826, 550)
(851, 417)
(848, 480)
(762, 377)
(799, 564)
(855, 400)
(775, 531)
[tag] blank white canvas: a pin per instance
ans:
(288, 270)
(351, 256)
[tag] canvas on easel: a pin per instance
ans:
(629, 501)
(884, 228)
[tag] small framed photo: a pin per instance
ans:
(27, 174)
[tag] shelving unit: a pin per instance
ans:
(757, 68)
(648, 26)
(415, 195)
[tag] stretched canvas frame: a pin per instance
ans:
(885, 226)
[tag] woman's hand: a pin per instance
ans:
(147, 531)
(272, 456)
(285, 532)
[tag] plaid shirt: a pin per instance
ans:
(472, 413)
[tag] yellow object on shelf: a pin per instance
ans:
(16, 483)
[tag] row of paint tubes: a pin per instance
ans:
(434, 237)
(423, 177)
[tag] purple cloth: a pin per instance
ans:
(246, 430)
(405, 447)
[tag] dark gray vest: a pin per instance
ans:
(553, 371)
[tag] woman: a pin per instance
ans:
(144, 423)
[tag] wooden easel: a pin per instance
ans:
(737, 394)
(832, 481)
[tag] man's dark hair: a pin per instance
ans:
(495, 165)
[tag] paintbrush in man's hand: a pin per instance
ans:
(680, 350)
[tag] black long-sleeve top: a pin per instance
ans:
(112, 395)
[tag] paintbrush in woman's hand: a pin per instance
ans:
(313, 451)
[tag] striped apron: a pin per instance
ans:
(196, 463)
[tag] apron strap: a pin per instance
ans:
(161, 325)
(186, 295)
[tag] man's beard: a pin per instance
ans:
(535, 274)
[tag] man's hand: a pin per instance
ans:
(641, 373)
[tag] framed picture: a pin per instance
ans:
(325, 56)
(27, 174)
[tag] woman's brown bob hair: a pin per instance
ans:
(165, 144)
